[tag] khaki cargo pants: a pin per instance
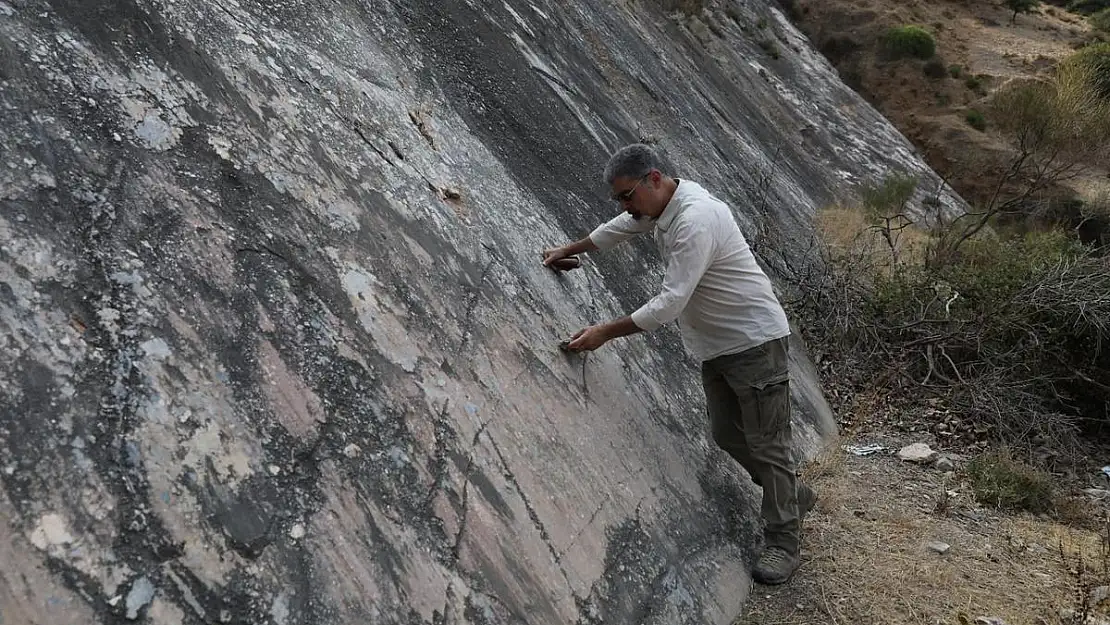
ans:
(748, 401)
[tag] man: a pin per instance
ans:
(730, 320)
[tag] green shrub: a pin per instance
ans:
(1010, 325)
(955, 70)
(990, 273)
(987, 273)
(935, 69)
(973, 82)
(976, 120)
(1094, 62)
(1101, 20)
(889, 197)
(1021, 6)
(1087, 7)
(1001, 481)
(910, 41)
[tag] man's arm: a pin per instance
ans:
(616, 230)
(690, 257)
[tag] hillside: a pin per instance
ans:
(980, 49)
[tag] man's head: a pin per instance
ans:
(637, 182)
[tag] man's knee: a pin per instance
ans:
(771, 449)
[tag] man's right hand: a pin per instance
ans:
(553, 254)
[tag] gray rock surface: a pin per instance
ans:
(919, 453)
(276, 339)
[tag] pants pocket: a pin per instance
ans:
(772, 404)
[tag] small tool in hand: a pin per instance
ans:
(566, 264)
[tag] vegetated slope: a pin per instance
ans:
(938, 102)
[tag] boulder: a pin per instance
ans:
(919, 453)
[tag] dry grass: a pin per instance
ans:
(847, 232)
(866, 557)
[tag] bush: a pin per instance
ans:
(1021, 6)
(1012, 332)
(1088, 7)
(973, 82)
(1001, 481)
(976, 120)
(1014, 327)
(935, 69)
(910, 41)
(1060, 126)
(1093, 63)
(1101, 20)
(955, 70)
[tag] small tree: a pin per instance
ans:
(885, 205)
(1059, 128)
(1021, 6)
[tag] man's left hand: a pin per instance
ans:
(589, 339)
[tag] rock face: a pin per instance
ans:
(277, 344)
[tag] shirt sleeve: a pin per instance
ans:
(619, 229)
(690, 257)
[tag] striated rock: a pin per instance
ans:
(313, 388)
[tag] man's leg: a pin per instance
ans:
(759, 378)
(724, 417)
(727, 424)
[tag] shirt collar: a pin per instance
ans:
(671, 210)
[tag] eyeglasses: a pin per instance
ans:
(624, 196)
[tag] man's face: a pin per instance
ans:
(635, 194)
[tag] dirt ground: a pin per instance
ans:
(978, 51)
(869, 554)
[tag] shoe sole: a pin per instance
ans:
(765, 581)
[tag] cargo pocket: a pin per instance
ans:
(772, 403)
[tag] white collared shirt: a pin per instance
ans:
(721, 298)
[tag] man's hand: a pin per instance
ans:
(593, 337)
(553, 254)
(589, 339)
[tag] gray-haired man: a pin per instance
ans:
(729, 318)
